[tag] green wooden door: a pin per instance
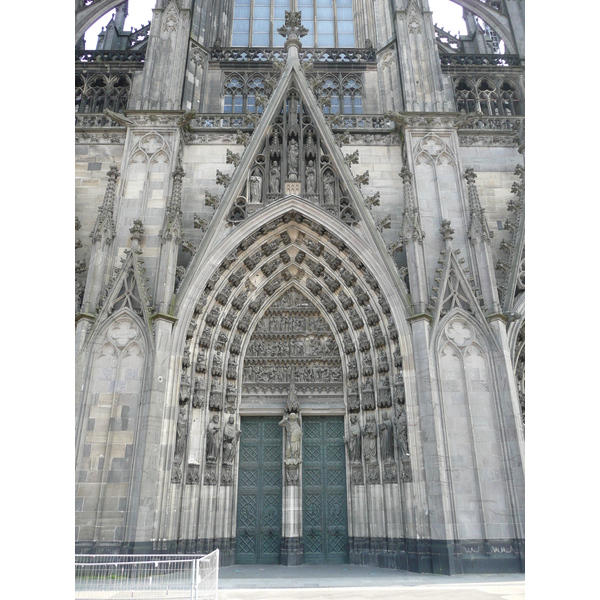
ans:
(258, 529)
(324, 505)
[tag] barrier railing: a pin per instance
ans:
(146, 577)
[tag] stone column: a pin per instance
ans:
(434, 519)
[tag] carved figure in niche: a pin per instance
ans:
(293, 429)
(401, 432)
(230, 437)
(328, 181)
(353, 439)
(275, 174)
(309, 144)
(181, 430)
(293, 157)
(367, 364)
(217, 365)
(311, 178)
(176, 473)
(201, 362)
(291, 475)
(386, 437)
(212, 439)
(369, 433)
(255, 188)
(193, 475)
(368, 395)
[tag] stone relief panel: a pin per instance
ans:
(292, 342)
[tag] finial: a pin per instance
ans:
(292, 29)
(470, 175)
(137, 230)
(446, 230)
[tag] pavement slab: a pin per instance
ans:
(354, 582)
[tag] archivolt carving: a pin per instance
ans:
(263, 324)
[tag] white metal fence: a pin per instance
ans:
(146, 577)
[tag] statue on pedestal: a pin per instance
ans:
(353, 440)
(293, 428)
(212, 439)
(230, 437)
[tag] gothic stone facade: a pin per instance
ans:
(300, 290)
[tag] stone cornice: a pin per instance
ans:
(84, 317)
(498, 317)
(420, 317)
(163, 317)
(155, 118)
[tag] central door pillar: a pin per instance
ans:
(292, 551)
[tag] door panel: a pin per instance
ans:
(258, 530)
(324, 506)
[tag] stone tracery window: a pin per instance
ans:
(510, 99)
(493, 97)
(240, 92)
(341, 94)
(487, 98)
(330, 23)
(96, 92)
(336, 93)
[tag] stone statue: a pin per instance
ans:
(293, 157)
(212, 439)
(328, 182)
(311, 178)
(275, 174)
(230, 437)
(401, 433)
(353, 439)
(293, 428)
(386, 437)
(255, 188)
(181, 429)
(369, 433)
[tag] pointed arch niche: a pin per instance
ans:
(474, 445)
(297, 256)
(107, 428)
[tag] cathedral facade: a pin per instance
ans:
(300, 284)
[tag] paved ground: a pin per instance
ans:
(352, 582)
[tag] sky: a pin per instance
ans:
(445, 13)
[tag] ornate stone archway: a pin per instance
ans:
(291, 260)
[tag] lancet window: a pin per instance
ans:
(493, 97)
(329, 22)
(240, 92)
(341, 94)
